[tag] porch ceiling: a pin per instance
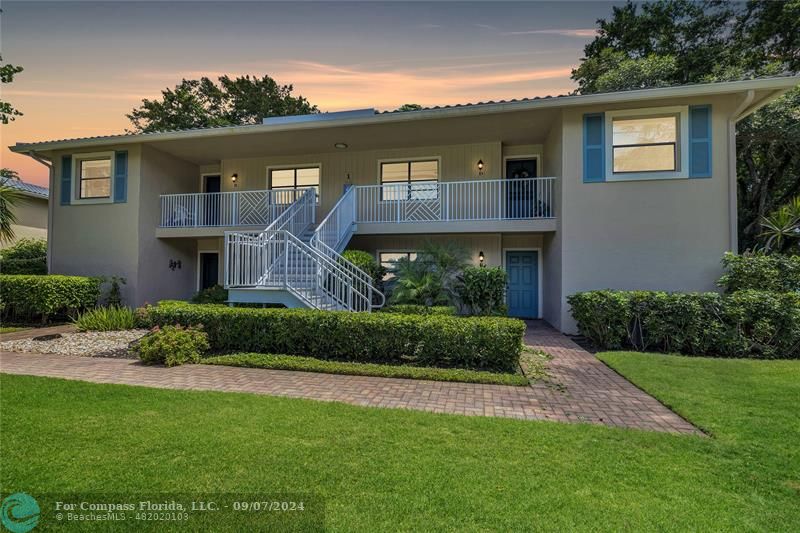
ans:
(529, 127)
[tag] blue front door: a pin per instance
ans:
(523, 284)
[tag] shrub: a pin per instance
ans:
(311, 364)
(431, 278)
(748, 323)
(483, 290)
(106, 319)
(27, 256)
(602, 317)
(410, 309)
(776, 272)
(212, 295)
(368, 264)
(477, 342)
(114, 293)
(761, 324)
(25, 297)
(172, 346)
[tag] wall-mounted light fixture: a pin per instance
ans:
(235, 180)
(481, 258)
(480, 167)
(340, 146)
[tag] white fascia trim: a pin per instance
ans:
(778, 84)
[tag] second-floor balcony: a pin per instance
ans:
(473, 205)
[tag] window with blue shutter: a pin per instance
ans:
(700, 141)
(594, 165)
(120, 177)
(66, 179)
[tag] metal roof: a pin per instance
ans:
(360, 117)
(27, 188)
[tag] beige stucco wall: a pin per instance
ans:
(492, 245)
(97, 239)
(664, 234)
(552, 249)
(355, 167)
(32, 212)
(111, 239)
(31, 215)
(162, 173)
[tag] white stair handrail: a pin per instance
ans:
(337, 227)
(277, 258)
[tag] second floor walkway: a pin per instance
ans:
(497, 205)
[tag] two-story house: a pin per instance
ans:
(626, 190)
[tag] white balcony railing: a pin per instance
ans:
(508, 199)
(245, 208)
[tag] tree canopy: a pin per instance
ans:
(204, 103)
(671, 42)
(7, 72)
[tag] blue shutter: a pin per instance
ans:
(120, 177)
(66, 179)
(594, 150)
(700, 141)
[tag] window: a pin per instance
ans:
(295, 178)
(645, 144)
(410, 180)
(95, 178)
(387, 260)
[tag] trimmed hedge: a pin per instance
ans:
(312, 364)
(413, 309)
(26, 256)
(487, 343)
(757, 324)
(776, 272)
(24, 297)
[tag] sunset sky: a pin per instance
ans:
(88, 64)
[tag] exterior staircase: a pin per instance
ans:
(297, 263)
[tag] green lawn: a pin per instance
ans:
(380, 469)
(9, 329)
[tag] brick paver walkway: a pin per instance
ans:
(583, 388)
(36, 332)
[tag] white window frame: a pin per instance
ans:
(296, 167)
(75, 193)
(681, 145)
(380, 182)
(392, 251)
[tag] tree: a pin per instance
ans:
(204, 104)
(8, 174)
(7, 72)
(672, 42)
(409, 107)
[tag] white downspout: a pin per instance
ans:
(733, 208)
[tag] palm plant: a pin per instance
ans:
(780, 230)
(431, 278)
(9, 199)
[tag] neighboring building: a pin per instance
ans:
(31, 212)
(627, 190)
